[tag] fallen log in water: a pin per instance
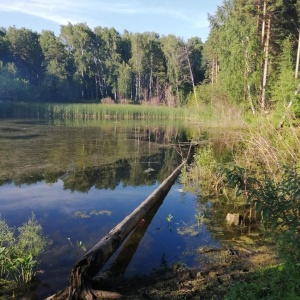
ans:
(79, 286)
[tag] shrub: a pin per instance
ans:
(276, 200)
(19, 255)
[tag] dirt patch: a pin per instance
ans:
(220, 268)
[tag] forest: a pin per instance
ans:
(242, 84)
(90, 65)
(251, 57)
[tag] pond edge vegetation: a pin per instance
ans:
(246, 90)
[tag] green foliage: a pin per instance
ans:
(169, 218)
(30, 239)
(278, 282)
(79, 245)
(247, 62)
(277, 202)
(19, 254)
(204, 95)
(276, 199)
(12, 88)
(203, 175)
(27, 53)
(231, 45)
(284, 89)
(82, 64)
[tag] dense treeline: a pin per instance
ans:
(85, 64)
(252, 51)
(251, 56)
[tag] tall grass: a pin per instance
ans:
(265, 146)
(95, 111)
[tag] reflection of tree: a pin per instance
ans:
(83, 157)
(125, 172)
(33, 178)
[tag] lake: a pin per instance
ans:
(82, 178)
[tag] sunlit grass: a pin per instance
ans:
(96, 111)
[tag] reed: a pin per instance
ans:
(95, 111)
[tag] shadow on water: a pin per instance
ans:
(30, 122)
(125, 255)
(10, 129)
(20, 137)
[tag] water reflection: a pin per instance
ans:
(87, 156)
(81, 181)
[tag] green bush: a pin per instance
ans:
(203, 174)
(19, 254)
(277, 203)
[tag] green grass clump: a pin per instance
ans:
(19, 254)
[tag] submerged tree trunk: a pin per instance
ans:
(80, 286)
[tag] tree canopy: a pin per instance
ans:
(252, 55)
(82, 64)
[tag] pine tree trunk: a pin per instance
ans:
(217, 70)
(265, 74)
(298, 57)
(96, 87)
(212, 70)
(151, 75)
(258, 6)
(263, 26)
(191, 74)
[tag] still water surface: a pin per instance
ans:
(81, 180)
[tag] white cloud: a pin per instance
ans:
(165, 16)
(63, 11)
(57, 11)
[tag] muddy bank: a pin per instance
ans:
(220, 268)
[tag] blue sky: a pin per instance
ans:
(183, 18)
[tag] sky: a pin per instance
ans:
(183, 18)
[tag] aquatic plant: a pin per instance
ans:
(169, 218)
(200, 219)
(79, 245)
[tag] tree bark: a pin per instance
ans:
(247, 58)
(298, 57)
(191, 73)
(80, 286)
(212, 70)
(265, 74)
(263, 25)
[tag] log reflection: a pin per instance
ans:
(120, 264)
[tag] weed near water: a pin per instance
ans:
(276, 201)
(19, 254)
